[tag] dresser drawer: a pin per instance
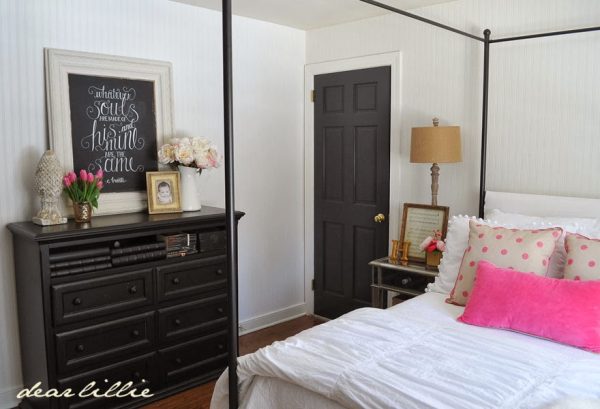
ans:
(141, 371)
(89, 298)
(191, 278)
(104, 342)
(193, 359)
(191, 319)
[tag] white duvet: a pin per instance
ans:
(415, 355)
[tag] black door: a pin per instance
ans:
(352, 170)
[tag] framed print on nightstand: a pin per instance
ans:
(420, 221)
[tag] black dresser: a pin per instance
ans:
(102, 302)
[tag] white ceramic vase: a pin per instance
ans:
(190, 188)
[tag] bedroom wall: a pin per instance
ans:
(544, 94)
(268, 66)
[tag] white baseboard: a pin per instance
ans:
(8, 397)
(272, 318)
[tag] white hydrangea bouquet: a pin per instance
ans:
(196, 152)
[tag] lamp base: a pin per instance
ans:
(435, 177)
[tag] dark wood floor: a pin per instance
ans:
(199, 397)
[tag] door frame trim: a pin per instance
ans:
(393, 60)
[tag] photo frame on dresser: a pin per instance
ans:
(163, 192)
(420, 221)
(109, 112)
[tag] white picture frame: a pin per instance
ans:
(58, 65)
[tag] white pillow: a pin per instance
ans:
(457, 240)
(521, 219)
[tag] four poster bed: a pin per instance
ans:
(416, 354)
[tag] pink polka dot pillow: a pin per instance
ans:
(522, 250)
(583, 258)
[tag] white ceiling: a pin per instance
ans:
(310, 14)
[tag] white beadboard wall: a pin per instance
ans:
(544, 93)
(543, 103)
(268, 94)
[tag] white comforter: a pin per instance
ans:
(415, 355)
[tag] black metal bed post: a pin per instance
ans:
(232, 267)
(484, 120)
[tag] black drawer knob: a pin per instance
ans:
(132, 289)
(220, 347)
(220, 272)
(177, 322)
(178, 361)
(76, 301)
(135, 333)
(175, 280)
(220, 310)
(117, 244)
(80, 348)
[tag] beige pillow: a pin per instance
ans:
(583, 258)
(527, 251)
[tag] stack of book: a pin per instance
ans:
(138, 254)
(179, 245)
(80, 261)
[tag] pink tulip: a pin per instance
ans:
(67, 181)
(100, 184)
(83, 175)
(90, 177)
(72, 177)
(100, 174)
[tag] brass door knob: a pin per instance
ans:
(380, 218)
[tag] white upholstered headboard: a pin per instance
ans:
(541, 205)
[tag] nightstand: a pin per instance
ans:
(410, 280)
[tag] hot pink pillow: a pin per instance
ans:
(566, 311)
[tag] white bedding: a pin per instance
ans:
(414, 355)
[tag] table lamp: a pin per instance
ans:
(435, 144)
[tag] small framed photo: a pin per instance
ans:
(420, 221)
(163, 192)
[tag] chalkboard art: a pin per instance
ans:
(113, 128)
(112, 113)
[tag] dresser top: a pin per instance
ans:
(117, 223)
